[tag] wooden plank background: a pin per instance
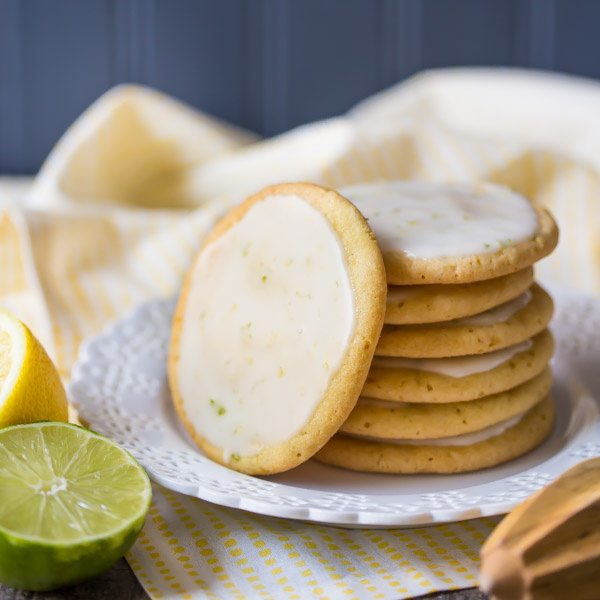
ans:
(265, 64)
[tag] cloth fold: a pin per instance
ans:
(106, 226)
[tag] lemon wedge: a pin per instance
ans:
(30, 386)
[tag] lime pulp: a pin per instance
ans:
(71, 503)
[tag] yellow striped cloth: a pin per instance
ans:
(71, 261)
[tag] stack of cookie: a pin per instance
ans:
(412, 341)
(460, 380)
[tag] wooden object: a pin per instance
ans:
(548, 548)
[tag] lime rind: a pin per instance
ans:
(44, 566)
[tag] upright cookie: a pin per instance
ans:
(502, 326)
(276, 327)
(459, 233)
(417, 304)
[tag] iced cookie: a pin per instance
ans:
(460, 378)
(392, 420)
(276, 326)
(499, 327)
(412, 304)
(453, 233)
(459, 454)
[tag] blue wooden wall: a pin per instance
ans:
(265, 64)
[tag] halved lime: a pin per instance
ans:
(71, 503)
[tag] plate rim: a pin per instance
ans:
(568, 456)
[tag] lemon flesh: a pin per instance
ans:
(30, 386)
(71, 503)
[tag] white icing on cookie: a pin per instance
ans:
(498, 314)
(466, 439)
(430, 220)
(267, 321)
(457, 366)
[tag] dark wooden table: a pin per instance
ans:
(120, 584)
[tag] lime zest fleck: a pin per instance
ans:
(235, 457)
(219, 408)
(303, 295)
(506, 243)
(264, 279)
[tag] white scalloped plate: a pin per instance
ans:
(120, 387)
